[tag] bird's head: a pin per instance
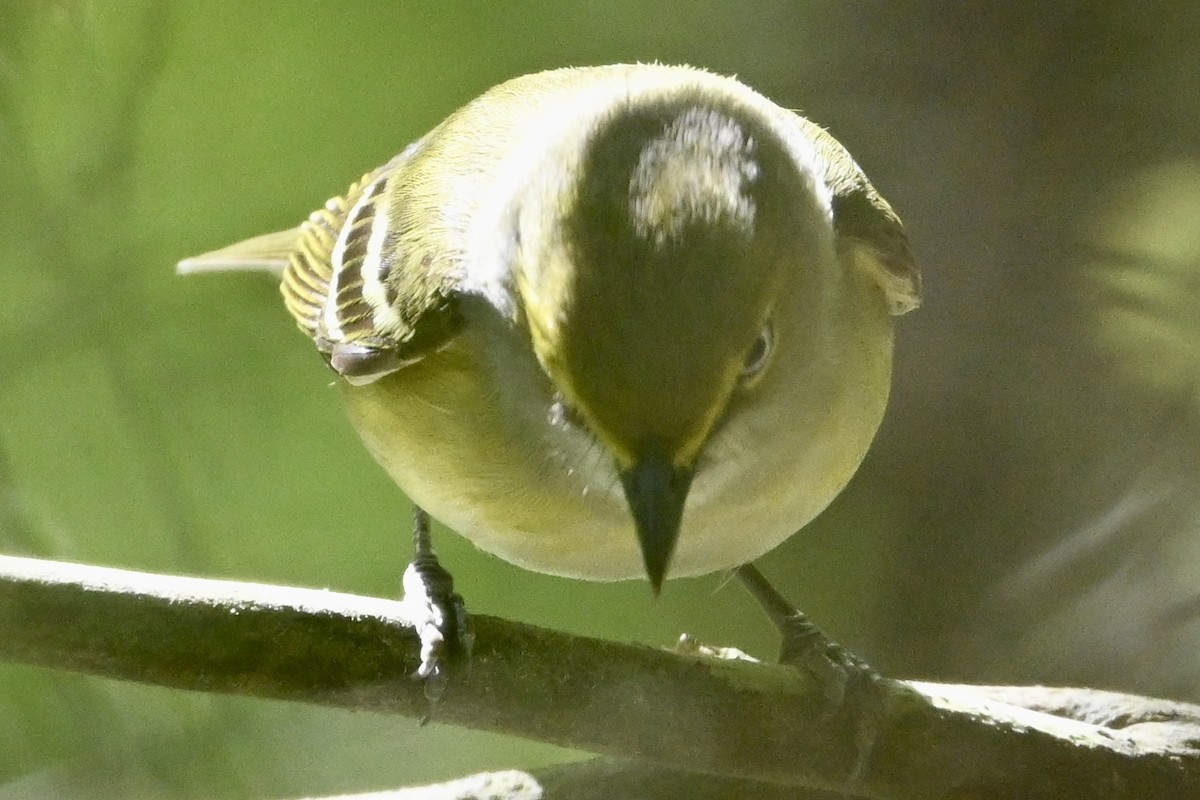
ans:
(650, 306)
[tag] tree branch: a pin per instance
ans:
(694, 713)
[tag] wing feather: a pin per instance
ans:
(327, 267)
(866, 224)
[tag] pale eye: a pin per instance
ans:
(759, 354)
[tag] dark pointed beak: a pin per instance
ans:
(656, 490)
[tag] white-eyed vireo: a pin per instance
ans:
(608, 322)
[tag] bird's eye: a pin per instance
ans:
(759, 354)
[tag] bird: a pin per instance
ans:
(612, 322)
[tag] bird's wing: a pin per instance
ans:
(335, 279)
(866, 225)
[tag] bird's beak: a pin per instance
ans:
(656, 490)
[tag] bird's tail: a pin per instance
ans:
(269, 252)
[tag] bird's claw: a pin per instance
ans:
(852, 689)
(850, 685)
(440, 617)
(438, 613)
(835, 668)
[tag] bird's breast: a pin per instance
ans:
(476, 435)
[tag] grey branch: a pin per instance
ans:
(665, 712)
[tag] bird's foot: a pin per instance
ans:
(852, 689)
(850, 685)
(438, 614)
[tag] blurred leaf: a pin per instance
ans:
(1147, 278)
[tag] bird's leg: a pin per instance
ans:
(850, 684)
(436, 611)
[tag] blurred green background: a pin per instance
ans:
(1028, 514)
